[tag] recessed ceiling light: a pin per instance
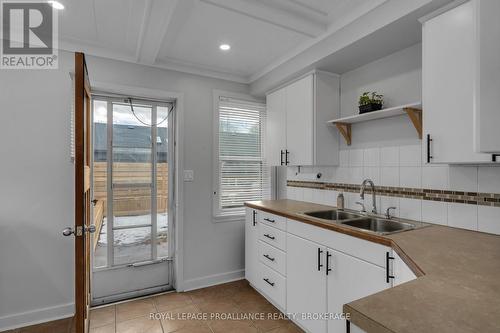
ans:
(56, 4)
(225, 47)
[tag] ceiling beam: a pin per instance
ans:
(262, 11)
(160, 17)
(300, 9)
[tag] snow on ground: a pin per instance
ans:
(132, 245)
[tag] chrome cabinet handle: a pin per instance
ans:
(268, 257)
(269, 236)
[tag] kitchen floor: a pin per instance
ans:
(175, 312)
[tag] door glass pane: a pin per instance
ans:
(100, 178)
(132, 245)
(132, 190)
(162, 180)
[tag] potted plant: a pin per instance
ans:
(370, 101)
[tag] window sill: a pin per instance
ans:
(229, 218)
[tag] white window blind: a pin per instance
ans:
(242, 174)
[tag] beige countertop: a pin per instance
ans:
(458, 284)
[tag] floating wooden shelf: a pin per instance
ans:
(414, 112)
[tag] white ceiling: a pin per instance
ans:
(185, 34)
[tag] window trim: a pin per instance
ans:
(217, 215)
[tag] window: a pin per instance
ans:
(241, 172)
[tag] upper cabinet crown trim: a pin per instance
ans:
(300, 77)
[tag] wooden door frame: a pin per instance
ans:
(82, 184)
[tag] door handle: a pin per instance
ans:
(286, 157)
(269, 220)
(79, 230)
(254, 218)
(91, 228)
(68, 232)
(269, 236)
(94, 202)
(281, 156)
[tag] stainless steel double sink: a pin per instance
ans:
(364, 222)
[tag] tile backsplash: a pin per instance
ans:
(402, 166)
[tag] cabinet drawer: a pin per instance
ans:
(272, 257)
(356, 247)
(273, 285)
(272, 220)
(272, 236)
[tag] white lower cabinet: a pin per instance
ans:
(350, 279)
(310, 273)
(265, 255)
(306, 282)
(251, 249)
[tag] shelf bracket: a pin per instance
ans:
(345, 130)
(415, 116)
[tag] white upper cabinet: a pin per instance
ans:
(448, 74)
(297, 132)
(299, 121)
(487, 80)
(275, 128)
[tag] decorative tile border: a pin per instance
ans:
(471, 198)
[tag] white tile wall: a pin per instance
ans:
(488, 219)
(410, 209)
(462, 216)
(402, 166)
(389, 176)
(435, 177)
(410, 177)
(463, 178)
(489, 179)
(435, 212)
(356, 158)
(389, 156)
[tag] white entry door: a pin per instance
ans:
(132, 174)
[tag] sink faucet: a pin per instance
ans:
(362, 193)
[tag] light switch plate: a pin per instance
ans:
(188, 175)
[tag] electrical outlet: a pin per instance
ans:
(188, 175)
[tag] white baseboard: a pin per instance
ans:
(212, 280)
(36, 316)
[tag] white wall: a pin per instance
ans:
(389, 152)
(36, 195)
(36, 192)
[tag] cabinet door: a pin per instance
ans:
(306, 282)
(487, 116)
(448, 86)
(350, 279)
(402, 273)
(251, 246)
(275, 127)
(299, 121)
